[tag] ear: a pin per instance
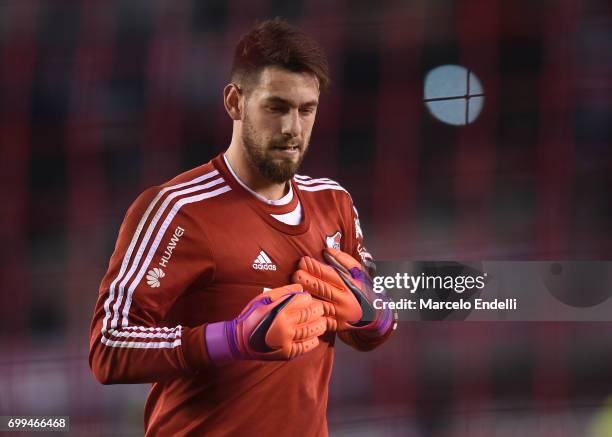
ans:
(232, 99)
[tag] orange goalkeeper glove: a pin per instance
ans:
(279, 324)
(346, 291)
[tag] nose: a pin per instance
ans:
(292, 124)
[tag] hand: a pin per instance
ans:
(345, 289)
(279, 324)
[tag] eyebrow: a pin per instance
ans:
(277, 99)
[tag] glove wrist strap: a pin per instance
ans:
(217, 343)
(381, 324)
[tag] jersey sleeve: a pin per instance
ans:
(363, 340)
(358, 249)
(159, 252)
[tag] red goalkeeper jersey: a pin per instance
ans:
(194, 251)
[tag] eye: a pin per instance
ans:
(307, 111)
(276, 108)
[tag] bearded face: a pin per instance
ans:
(279, 111)
(278, 157)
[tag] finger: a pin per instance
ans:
(331, 324)
(301, 347)
(295, 314)
(329, 309)
(320, 270)
(346, 309)
(310, 330)
(299, 315)
(291, 350)
(283, 335)
(343, 258)
(299, 301)
(318, 288)
(280, 292)
(336, 273)
(329, 314)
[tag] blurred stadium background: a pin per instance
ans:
(101, 99)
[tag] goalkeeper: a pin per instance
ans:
(227, 285)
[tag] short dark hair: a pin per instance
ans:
(278, 43)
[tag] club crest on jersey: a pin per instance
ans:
(334, 241)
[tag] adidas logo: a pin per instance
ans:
(153, 277)
(263, 262)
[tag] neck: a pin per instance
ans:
(250, 176)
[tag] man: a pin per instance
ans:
(229, 282)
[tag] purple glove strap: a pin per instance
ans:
(360, 276)
(221, 340)
(382, 325)
(384, 321)
(216, 342)
(378, 328)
